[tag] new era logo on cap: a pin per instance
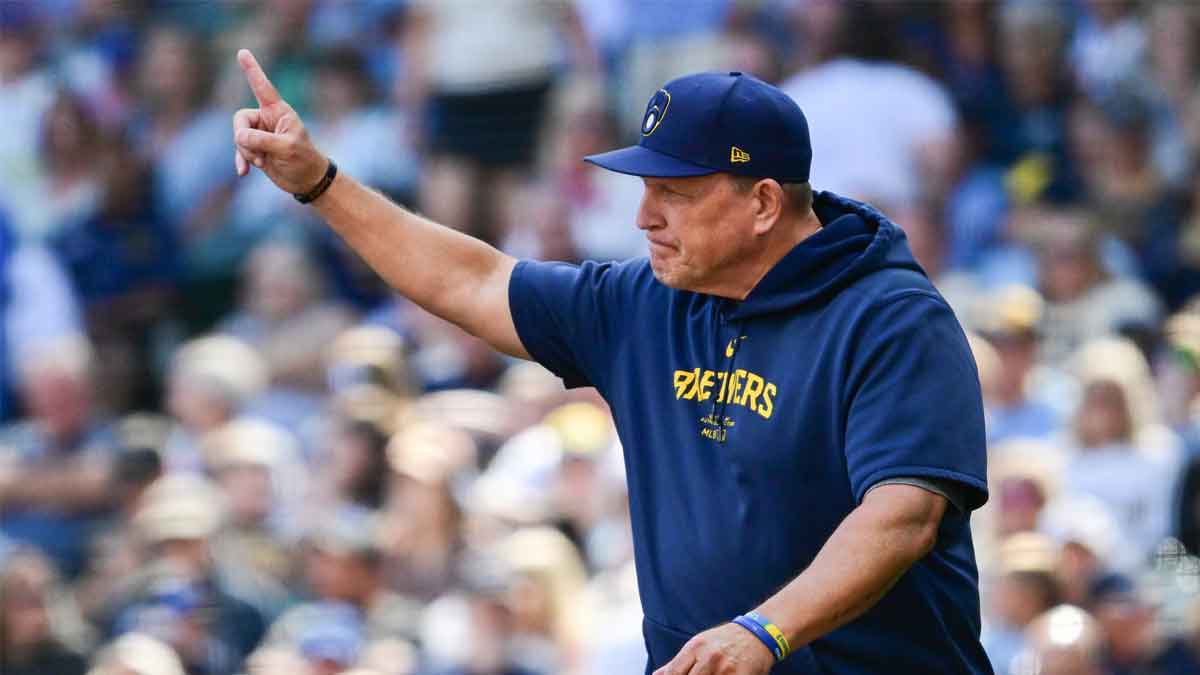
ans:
(718, 121)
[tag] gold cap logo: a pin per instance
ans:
(737, 155)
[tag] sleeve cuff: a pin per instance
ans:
(953, 491)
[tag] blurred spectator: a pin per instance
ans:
(1173, 50)
(123, 262)
(28, 643)
(1090, 540)
(1010, 322)
(212, 380)
(468, 632)
(745, 50)
(369, 382)
(278, 32)
(1132, 199)
(532, 390)
(286, 316)
(358, 465)
(518, 487)
(485, 113)
(1177, 372)
(137, 654)
(115, 550)
(422, 532)
(344, 569)
(972, 67)
(1030, 133)
(1109, 44)
(1024, 590)
(1023, 477)
(72, 154)
(611, 607)
(95, 55)
(1174, 46)
(178, 131)
(37, 306)
(548, 575)
(1064, 641)
(28, 91)
(658, 42)
(242, 456)
(447, 357)
(880, 131)
(370, 142)
(1182, 654)
(179, 595)
(262, 477)
(593, 210)
(330, 639)
(272, 660)
(1116, 434)
(1179, 384)
(388, 657)
(580, 492)
(1128, 624)
(487, 418)
(1082, 299)
(55, 466)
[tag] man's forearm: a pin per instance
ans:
(868, 553)
(445, 271)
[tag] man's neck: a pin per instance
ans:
(794, 231)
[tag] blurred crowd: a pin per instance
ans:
(226, 448)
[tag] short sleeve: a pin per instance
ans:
(956, 493)
(914, 402)
(567, 317)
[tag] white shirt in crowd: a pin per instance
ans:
(1141, 507)
(466, 37)
(42, 306)
(868, 122)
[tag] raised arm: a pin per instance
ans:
(454, 276)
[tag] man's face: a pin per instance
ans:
(698, 229)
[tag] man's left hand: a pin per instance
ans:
(724, 650)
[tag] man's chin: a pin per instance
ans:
(665, 277)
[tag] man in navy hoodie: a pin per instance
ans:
(800, 412)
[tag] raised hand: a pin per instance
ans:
(272, 137)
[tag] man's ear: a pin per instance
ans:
(768, 204)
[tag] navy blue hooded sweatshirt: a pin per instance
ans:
(751, 429)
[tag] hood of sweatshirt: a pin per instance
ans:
(855, 240)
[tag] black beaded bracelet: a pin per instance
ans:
(321, 187)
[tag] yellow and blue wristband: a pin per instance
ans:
(767, 633)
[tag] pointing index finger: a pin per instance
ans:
(263, 90)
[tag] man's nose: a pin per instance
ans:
(647, 216)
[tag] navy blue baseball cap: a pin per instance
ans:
(717, 122)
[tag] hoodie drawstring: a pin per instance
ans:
(717, 413)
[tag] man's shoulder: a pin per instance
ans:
(630, 271)
(891, 285)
